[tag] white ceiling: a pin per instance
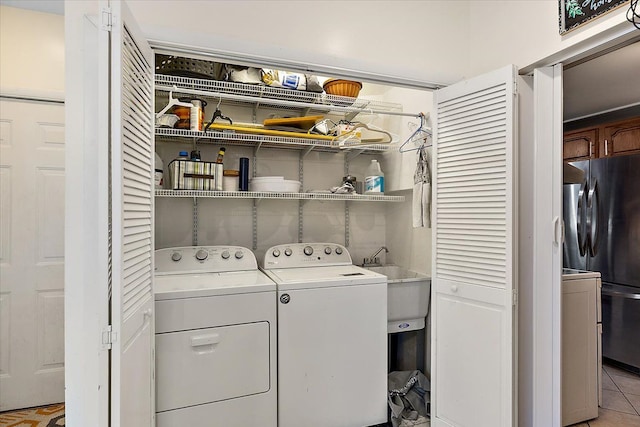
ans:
(48, 6)
(605, 83)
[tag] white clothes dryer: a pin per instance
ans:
(332, 337)
(215, 338)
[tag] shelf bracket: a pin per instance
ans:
(352, 115)
(256, 150)
(308, 150)
(353, 154)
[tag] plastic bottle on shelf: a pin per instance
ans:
(158, 171)
(374, 178)
(221, 155)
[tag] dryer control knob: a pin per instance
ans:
(225, 255)
(308, 250)
(239, 254)
(176, 256)
(201, 255)
(276, 253)
(339, 250)
(327, 250)
(288, 252)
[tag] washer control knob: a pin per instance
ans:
(327, 250)
(288, 252)
(276, 253)
(176, 256)
(308, 250)
(225, 255)
(201, 255)
(239, 254)
(339, 250)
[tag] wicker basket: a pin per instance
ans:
(342, 87)
(189, 67)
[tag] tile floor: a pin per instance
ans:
(620, 400)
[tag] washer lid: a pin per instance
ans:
(320, 277)
(211, 284)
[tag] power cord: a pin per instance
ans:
(633, 15)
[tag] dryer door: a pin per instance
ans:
(209, 365)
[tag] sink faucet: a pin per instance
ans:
(373, 259)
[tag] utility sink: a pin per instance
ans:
(408, 297)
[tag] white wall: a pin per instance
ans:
(525, 32)
(420, 40)
(31, 53)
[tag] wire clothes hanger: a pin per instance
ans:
(172, 102)
(422, 133)
(342, 139)
(217, 115)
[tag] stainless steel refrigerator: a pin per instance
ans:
(602, 233)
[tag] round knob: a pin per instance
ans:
(239, 254)
(339, 250)
(327, 250)
(276, 253)
(176, 256)
(201, 255)
(225, 255)
(308, 250)
(288, 252)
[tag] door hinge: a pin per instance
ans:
(515, 297)
(106, 18)
(108, 337)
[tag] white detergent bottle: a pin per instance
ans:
(374, 178)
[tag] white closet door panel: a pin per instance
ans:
(466, 353)
(132, 398)
(32, 194)
(473, 268)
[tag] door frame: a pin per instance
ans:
(86, 217)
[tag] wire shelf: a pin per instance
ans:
(266, 141)
(283, 196)
(262, 94)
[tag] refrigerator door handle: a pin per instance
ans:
(593, 227)
(582, 244)
(626, 295)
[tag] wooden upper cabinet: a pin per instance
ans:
(580, 145)
(610, 139)
(621, 138)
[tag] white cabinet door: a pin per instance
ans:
(474, 211)
(131, 245)
(32, 179)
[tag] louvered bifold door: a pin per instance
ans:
(131, 100)
(474, 274)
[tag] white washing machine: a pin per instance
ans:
(215, 338)
(332, 337)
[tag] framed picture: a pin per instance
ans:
(574, 13)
